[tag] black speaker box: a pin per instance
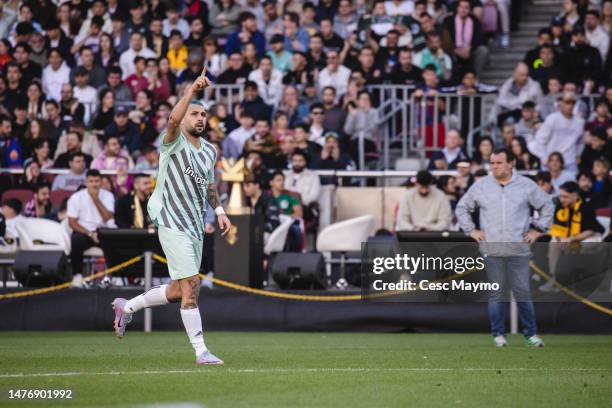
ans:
(41, 268)
(296, 270)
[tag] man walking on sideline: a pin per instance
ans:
(504, 200)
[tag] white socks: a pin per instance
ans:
(156, 296)
(193, 327)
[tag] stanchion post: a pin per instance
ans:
(513, 315)
(148, 264)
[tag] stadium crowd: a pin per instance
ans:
(90, 84)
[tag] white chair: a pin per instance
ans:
(605, 222)
(344, 236)
(278, 237)
(49, 233)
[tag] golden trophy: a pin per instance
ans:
(233, 172)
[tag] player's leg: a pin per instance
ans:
(496, 273)
(518, 267)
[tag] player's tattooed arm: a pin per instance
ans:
(212, 196)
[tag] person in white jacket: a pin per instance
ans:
(424, 207)
(561, 132)
(55, 74)
(269, 81)
(517, 90)
(302, 180)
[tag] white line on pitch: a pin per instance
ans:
(214, 370)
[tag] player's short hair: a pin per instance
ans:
(198, 103)
(504, 150)
(543, 176)
(570, 187)
(93, 173)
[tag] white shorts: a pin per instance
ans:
(183, 252)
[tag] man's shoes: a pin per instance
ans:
(534, 341)
(208, 358)
(121, 318)
(549, 287)
(500, 341)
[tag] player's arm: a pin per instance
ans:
(212, 196)
(180, 109)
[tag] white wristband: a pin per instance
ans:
(219, 210)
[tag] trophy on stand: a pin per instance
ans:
(233, 172)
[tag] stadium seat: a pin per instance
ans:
(22, 194)
(344, 236)
(58, 196)
(39, 234)
(278, 237)
(93, 252)
(605, 222)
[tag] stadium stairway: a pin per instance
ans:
(535, 15)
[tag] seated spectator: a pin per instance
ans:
(601, 118)
(574, 221)
(601, 187)
(113, 157)
(131, 209)
(86, 95)
(55, 74)
(40, 205)
(223, 17)
(149, 159)
(334, 74)
(298, 75)
(316, 130)
(56, 123)
(137, 80)
(465, 32)
(448, 185)
(254, 103)
(214, 59)
(88, 209)
(582, 61)
(331, 40)
(424, 207)
(75, 178)
(301, 139)
(528, 124)
(11, 212)
(585, 182)
(262, 141)
(508, 133)
(371, 71)
(514, 92)
(105, 113)
(450, 155)
(315, 56)
(571, 14)
(280, 125)
(362, 122)
(124, 129)
(30, 70)
(281, 58)
(177, 53)
(237, 71)
(290, 104)
(435, 55)
(545, 67)
(114, 83)
(484, 150)
(137, 49)
(269, 81)
(558, 173)
(334, 116)
(173, 22)
(302, 180)
(532, 57)
(288, 205)
(561, 132)
(595, 33)
(247, 33)
(76, 140)
(544, 181)
(580, 107)
(596, 147)
(282, 159)
(549, 102)
(296, 37)
(96, 76)
(332, 158)
(261, 203)
(41, 154)
(233, 144)
(31, 177)
(524, 159)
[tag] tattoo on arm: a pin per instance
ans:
(212, 196)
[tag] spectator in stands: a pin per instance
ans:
(247, 33)
(558, 173)
(301, 140)
(29, 69)
(177, 52)
(137, 49)
(435, 55)
(96, 76)
(545, 37)
(149, 160)
(173, 22)
(41, 153)
(11, 211)
(424, 207)
(483, 152)
(596, 35)
(296, 37)
(361, 122)
(214, 59)
(108, 56)
(543, 180)
(14, 88)
(600, 118)
(121, 92)
(334, 74)
(10, 149)
(233, 143)
(524, 159)
(450, 155)
(281, 58)
(73, 141)
(55, 74)
(269, 81)
(528, 124)
(75, 178)
(131, 209)
(571, 15)
(137, 81)
(113, 157)
(582, 61)
(404, 72)
(254, 103)
(606, 16)
(31, 175)
(545, 67)
(316, 129)
(88, 209)
(332, 158)
(562, 132)
(302, 180)
(585, 182)
(514, 92)
(261, 203)
(40, 205)
(105, 113)
(124, 129)
(89, 141)
(223, 17)
(574, 221)
(594, 149)
(86, 95)
(465, 32)
(262, 141)
(602, 187)
(288, 205)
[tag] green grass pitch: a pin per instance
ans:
(308, 370)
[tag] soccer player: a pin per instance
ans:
(185, 182)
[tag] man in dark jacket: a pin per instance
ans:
(262, 203)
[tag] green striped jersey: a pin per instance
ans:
(179, 199)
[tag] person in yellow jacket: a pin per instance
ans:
(177, 52)
(574, 222)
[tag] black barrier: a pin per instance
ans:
(442, 272)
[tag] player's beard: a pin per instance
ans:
(195, 132)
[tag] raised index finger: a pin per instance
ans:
(204, 71)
